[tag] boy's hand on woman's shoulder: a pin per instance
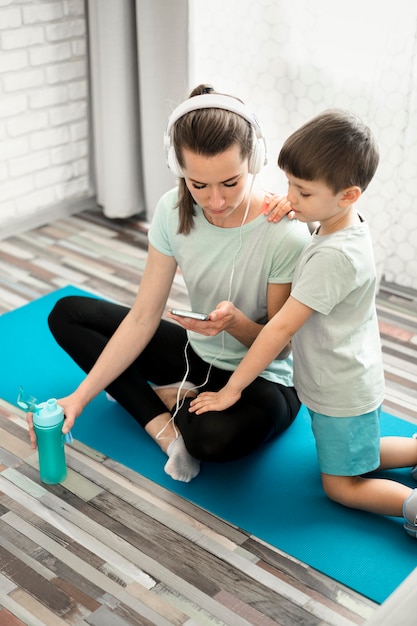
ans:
(277, 208)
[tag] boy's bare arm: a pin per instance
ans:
(270, 341)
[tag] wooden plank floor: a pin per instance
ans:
(111, 548)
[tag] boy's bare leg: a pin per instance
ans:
(379, 495)
(376, 495)
(398, 452)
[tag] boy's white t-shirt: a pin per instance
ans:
(213, 258)
(338, 368)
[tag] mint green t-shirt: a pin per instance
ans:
(338, 369)
(254, 255)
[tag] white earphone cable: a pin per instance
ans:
(179, 401)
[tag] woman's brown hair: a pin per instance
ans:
(207, 132)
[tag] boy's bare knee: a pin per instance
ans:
(339, 488)
(331, 486)
(334, 487)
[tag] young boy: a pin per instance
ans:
(330, 317)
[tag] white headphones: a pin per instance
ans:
(258, 156)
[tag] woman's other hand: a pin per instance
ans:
(71, 407)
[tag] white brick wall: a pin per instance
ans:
(44, 150)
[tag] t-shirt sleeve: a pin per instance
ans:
(288, 253)
(326, 278)
(159, 234)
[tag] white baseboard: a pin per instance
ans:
(45, 216)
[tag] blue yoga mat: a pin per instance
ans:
(274, 494)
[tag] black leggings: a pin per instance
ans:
(82, 326)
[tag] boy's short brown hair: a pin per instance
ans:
(335, 147)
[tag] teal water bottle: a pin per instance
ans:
(48, 419)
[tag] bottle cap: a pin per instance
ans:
(48, 413)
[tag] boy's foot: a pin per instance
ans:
(410, 514)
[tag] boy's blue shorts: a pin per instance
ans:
(347, 446)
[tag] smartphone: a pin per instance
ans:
(191, 314)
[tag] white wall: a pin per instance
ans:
(44, 152)
(290, 60)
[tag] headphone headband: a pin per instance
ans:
(216, 101)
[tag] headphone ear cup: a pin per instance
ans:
(257, 158)
(172, 162)
(171, 157)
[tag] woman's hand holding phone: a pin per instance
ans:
(209, 324)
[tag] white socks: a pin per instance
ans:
(181, 465)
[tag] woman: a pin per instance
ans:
(237, 267)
